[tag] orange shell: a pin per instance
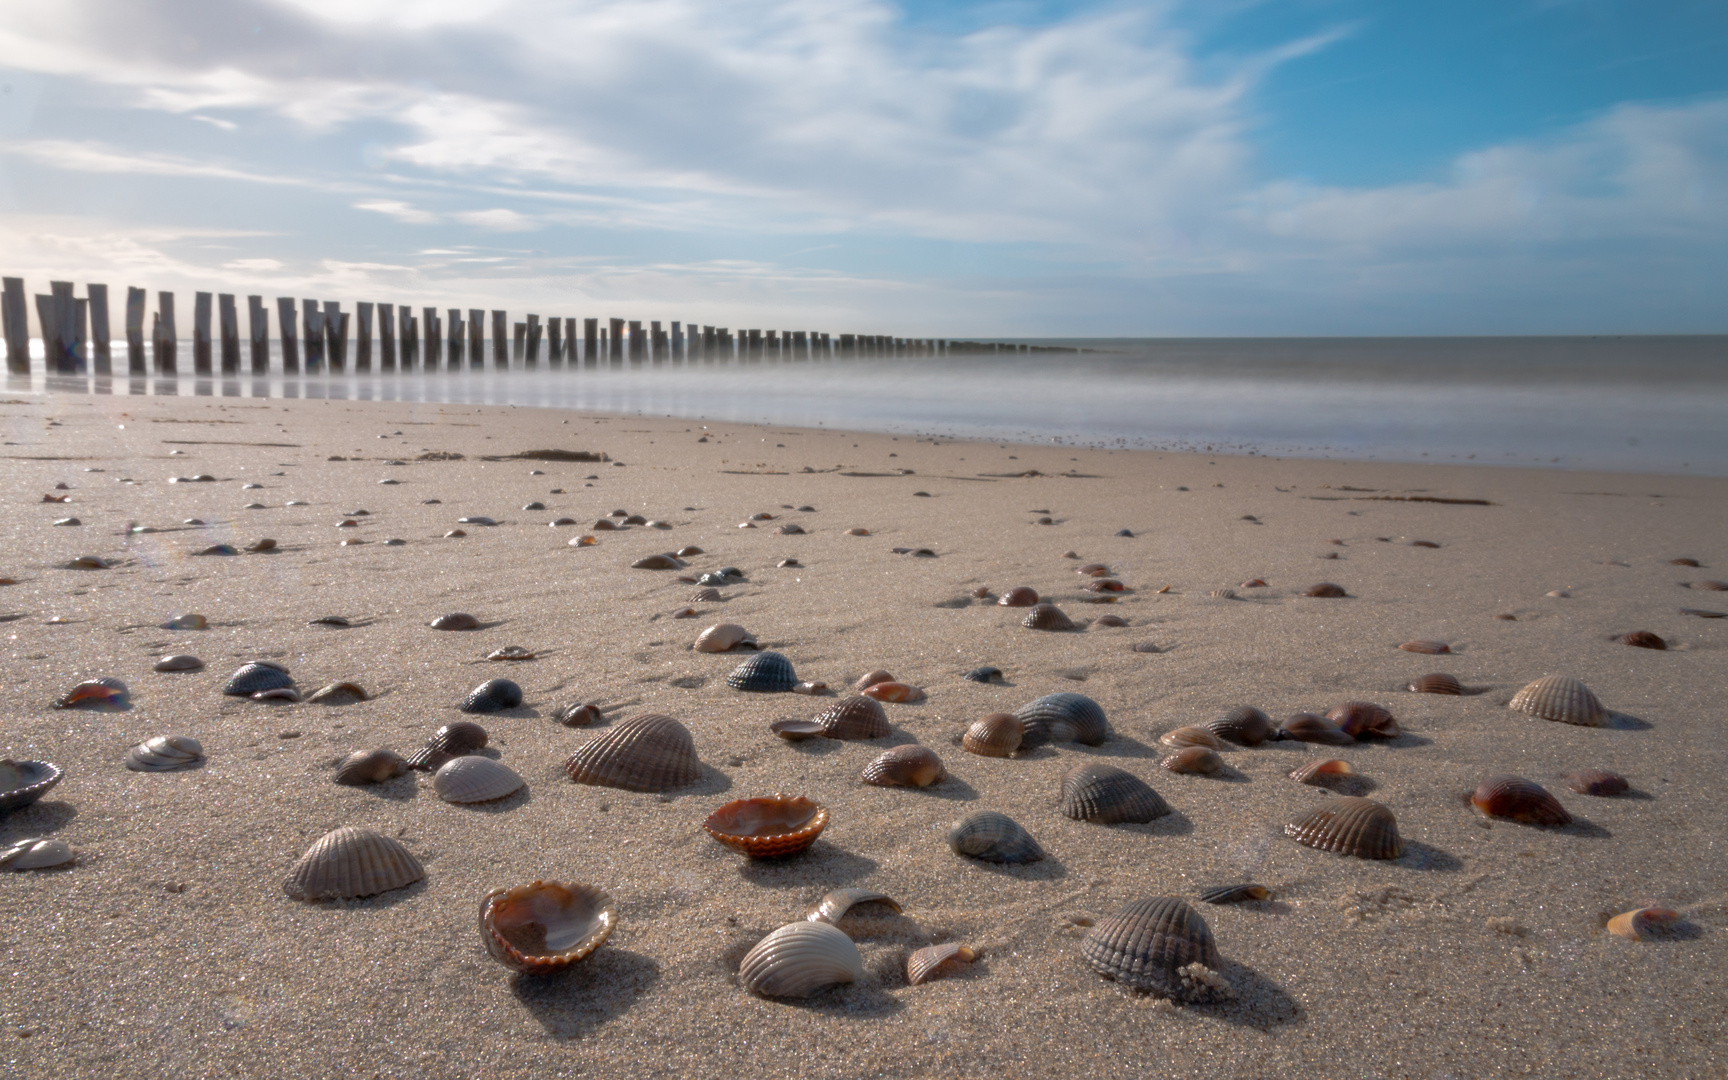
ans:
(893, 691)
(768, 827)
(1636, 925)
(545, 926)
(871, 678)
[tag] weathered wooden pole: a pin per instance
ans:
(387, 337)
(519, 340)
(656, 342)
(531, 358)
(258, 329)
(66, 326)
(101, 346)
(228, 332)
(362, 336)
(336, 335)
(167, 338)
(590, 342)
(286, 322)
(615, 347)
(409, 332)
(16, 313)
(554, 341)
(201, 311)
(477, 338)
(500, 340)
(457, 342)
(635, 344)
(81, 332)
(708, 345)
(432, 334)
(312, 335)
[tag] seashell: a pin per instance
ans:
(1019, 596)
(620, 513)
(854, 717)
(1106, 795)
(1683, 562)
(350, 523)
(264, 544)
(1325, 588)
(790, 529)
(763, 516)
(1194, 759)
(993, 837)
(656, 562)
(493, 695)
(511, 652)
(339, 693)
(281, 693)
(833, 907)
(766, 672)
(348, 863)
(1598, 782)
(1642, 639)
(165, 753)
(799, 959)
(36, 854)
(1306, 727)
(1235, 894)
(1093, 569)
(103, 693)
(536, 505)
(370, 767)
(1158, 944)
(1192, 735)
(1438, 683)
(1364, 719)
(995, 735)
(1427, 648)
(1108, 620)
(1065, 717)
(857, 532)
(578, 714)
(1708, 586)
(1047, 617)
(796, 730)
(455, 533)
(1253, 583)
(187, 622)
(1557, 697)
(723, 637)
(475, 519)
(769, 827)
(88, 562)
(1242, 724)
(330, 620)
(689, 552)
(648, 752)
(1349, 825)
(1518, 799)
(449, 741)
(1641, 924)
(545, 926)
(1704, 613)
(871, 678)
(705, 596)
(219, 549)
(1106, 585)
(893, 691)
(603, 525)
(1125, 532)
(1222, 594)
(983, 675)
(251, 678)
(456, 620)
(726, 575)
(927, 963)
(563, 521)
(23, 782)
(658, 524)
(475, 779)
(1322, 771)
(905, 766)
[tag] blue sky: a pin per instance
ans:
(1223, 168)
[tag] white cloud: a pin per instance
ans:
(399, 210)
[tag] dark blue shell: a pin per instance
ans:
(983, 674)
(253, 678)
(766, 672)
(493, 695)
(1063, 718)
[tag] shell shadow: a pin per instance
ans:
(1175, 823)
(1117, 745)
(520, 797)
(1049, 868)
(1420, 856)
(525, 712)
(870, 998)
(397, 789)
(713, 782)
(1581, 827)
(821, 865)
(1625, 722)
(1259, 1003)
(952, 787)
(37, 818)
(1403, 740)
(588, 995)
(816, 747)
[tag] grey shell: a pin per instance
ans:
(854, 717)
(165, 753)
(36, 853)
(1148, 944)
(1047, 617)
(993, 837)
(1242, 724)
(766, 672)
(983, 674)
(1106, 795)
(649, 752)
(834, 906)
(1065, 717)
(1234, 894)
(929, 962)
(255, 677)
(493, 695)
(370, 767)
(475, 779)
(350, 863)
(451, 740)
(24, 782)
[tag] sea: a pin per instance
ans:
(1640, 404)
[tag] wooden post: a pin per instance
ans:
(708, 345)
(634, 345)
(101, 348)
(167, 338)
(432, 334)
(555, 342)
(228, 327)
(363, 336)
(201, 311)
(312, 335)
(80, 332)
(570, 342)
(410, 335)
(16, 313)
(656, 342)
(500, 340)
(590, 342)
(386, 337)
(616, 347)
(458, 340)
(477, 338)
(520, 340)
(336, 335)
(286, 322)
(532, 357)
(258, 330)
(605, 342)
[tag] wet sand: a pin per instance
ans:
(170, 948)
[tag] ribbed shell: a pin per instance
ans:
(871, 678)
(1349, 825)
(1047, 617)
(451, 740)
(1019, 596)
(656, 562)
(834, 906)
(926, 963)
(351, 862)
(1308, 728)
(545, 926)
(770, 827)
(995, 735)
(251, 678)
(893, 691)
(475, 779)
(1518, 799)
(1708, 586)
(23, 782)
(993, 837)
(1438, 683)
(1233, 894)
(1064, 717)
(1362, 718)
(905, 766)
(165, 753)
(579, 714)
(704, 596)
(1106, 795)
(649, 752)
(370, 767)
(766, 672)
(1642, 639)
(493, 695)
(1597, 782)
(103, 693)
(1426, 647)
(36, 853)
(854, 717)
(799, 959)
(1557, 697)
(723, 637)
(983, 674)
(1146, 945)
(456, 620)
(1320, 771)
(1191, 735)
(1325, 588)
(1242, 724)
(1194, 759)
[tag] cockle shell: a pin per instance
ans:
(1306, 727)
(1019, 596)
(370, 767)
(1242, 724)
(475, 779)
(1556, 697)
(1106, 585)
(165, 753)
(476, 519)
(1194, 759)
(545, 926)
(1093, 569)
(689, 552)
(893, 692)
(578, 714)
(1429, 648)
(983, 675)
(1364, 719)
(993, 837)
(339, 693)
(493, 695)
(103, 693)
(280, 693)
(1064, 717)
(23, 782)
(1191, 735)
(790, 529)
(705, 596)
(871, 678)
(218, 549)
(834, 906)
(766, 672)
(649, 752)
(1518, 799)
(1326, 589)
(927, 963)
(349, 863)
(1106, 795)
(1349, 825)
(1321, 771)
(1599, 782)
(855, 717)
(799, 959)
(635, 519)
(905, 766)
(178, 662)
(768, 827)
(724, 637)
(36, 854)
(796, 730)
(1108, 621)
(249, 679)
(1158, 944)
(89, 562)
(1708, 586)
(656, 562)
(1438, 683)
(451, 740)
(1638, 925)
(456, 620)
(1642, 639)
(1047, 617)
(995, 735)
(1683, 562)
(1232, 894)
(263, 544)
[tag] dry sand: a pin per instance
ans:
(169, 948)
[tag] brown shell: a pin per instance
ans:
(1638, 925)
(768, 827)
(451, 740)
(1426, 647)
(855, 717)
(1106, 795)
(656, 562)
(688, 552)
(1306, 727)
(339, 693)
(1363, 719)
(1108, 620)
(1518, 799)
(1158, 944)
(1557, 697)
(1683, 562)
(893, 691)
(1598, 782)
(375, 767)
(929, 962)
(1438, 683)
(905, 766)
(349, 863)
(871, 678)
(456, 620)
(649, 752)
(1194, 759)
(1106, 585)
(1320, 771)
(1242, 724)
(704, 596)
(1642, 639)
(545, 926)
(995, 735)
(1047, 617)
(1093, 569)
(1019, 596)
(1325, 588)
(1191, 735)
(1349, 825)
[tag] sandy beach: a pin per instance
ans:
(169, 947)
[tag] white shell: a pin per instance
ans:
(179, 662)
(164, 753)
(475, 779)
(799, 959)
(922, 965)
(35, 854)
(350, 862)
(723, 637)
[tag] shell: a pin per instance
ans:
(635, 519)
(1325, 588)
(103, 693)
(1683, 562)
(1019, 596)
(893, 691)
(340, 693)
(833, 907)
(1064, 717)
(1321, 771)
(1192, 735)
(723, 637)
(769, 827)
(1242, 724)
(789, 530)
(1428, 648)
(995, 735)
(545, 926)
(796, 730)
(578, 714)
(799, 959)
(1438, 683)
(1306, 727)
(456, 620)
(1598, 782)
(1158, 944)
(993, 837)
(249, 679)
(1109, 620)
(349, 863)
(603, 525)
(905, 766)
(165, 753)
(1107, 585)
(1194, 759)
(263, 544)
(1093, 569)
(451, 740)
(475, 779)
(178, 662)
(36, 854)
(983, 674)
(855, 717)
(871, 678)
(1638, 925)
(766, 672)
(370, 767)
(23, 782)
(511, 653)
(925, 964)
(1642, 639)
(649, 752)
(656, 562)
(1106, 795)
(219, 549)
(1556, 697)
(281, 693)
(493, 695)
(689, 552)
(1349, 825)
(1518, 799)
(1047, 617)
(1708, 586)
(1360, 719)
(187, 622)
(1233, 894)
(704, 596)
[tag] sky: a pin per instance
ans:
(924, 168)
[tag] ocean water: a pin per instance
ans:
(1629, 404)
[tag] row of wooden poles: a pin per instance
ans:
(76, 339)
